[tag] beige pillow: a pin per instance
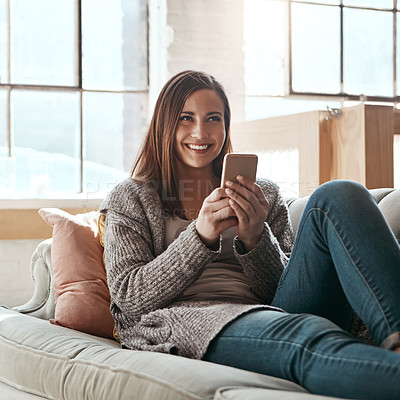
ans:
(79, 279)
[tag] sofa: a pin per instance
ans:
(39, 360)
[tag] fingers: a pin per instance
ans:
(214, 218)
(241, 204)
(247, 188)
(248, 191)
(218, 211)
(242, 207)
(240, 213)
(215, 195)
(224, 213)
(251, 208)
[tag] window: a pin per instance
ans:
(307, 54)
(73, 94)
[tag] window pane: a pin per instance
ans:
(368, 52)
(335, 2)
(3, 41)
(315, 48)
(114, 44)
(44, 42)
(369, 3)
(287, 178)
(3, 122)
(7, 164)
(7, 176)
(265, 37)
(114, 125)
(398, 54)
(46, 131)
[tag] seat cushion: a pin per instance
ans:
(240, 393)
(59, 363)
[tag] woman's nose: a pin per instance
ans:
(199, 130)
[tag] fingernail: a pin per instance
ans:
(228, 183)
(239, 177)
(228, 191)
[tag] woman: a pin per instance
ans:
(193, 269)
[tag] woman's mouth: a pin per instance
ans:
(198, 146)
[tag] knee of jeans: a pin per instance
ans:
(318, 332)
(315, 337)
(340, 190)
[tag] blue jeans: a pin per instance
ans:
(344, 258)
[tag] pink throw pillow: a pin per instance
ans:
(79, 279)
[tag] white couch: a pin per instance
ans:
(39, 360)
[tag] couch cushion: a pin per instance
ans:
(388, 202)
(240, 393)
(381, 193)
(60, 363)
(390, 207)
(296, 208)
(9, 393)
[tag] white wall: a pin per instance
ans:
(204, 35)
(16, 285)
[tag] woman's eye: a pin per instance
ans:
(215, 118)
(185, 118)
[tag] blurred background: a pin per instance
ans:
(78, 79)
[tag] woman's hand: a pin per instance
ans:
(251, 207)
(215, 216)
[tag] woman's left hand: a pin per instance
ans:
(251, 207)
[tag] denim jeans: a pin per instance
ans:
(344, 258)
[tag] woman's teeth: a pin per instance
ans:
(197, 147)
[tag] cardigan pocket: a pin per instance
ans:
(154, 328)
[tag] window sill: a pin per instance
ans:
(84, 201)
(20, 218)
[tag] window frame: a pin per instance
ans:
(343, 95)
(10, 87)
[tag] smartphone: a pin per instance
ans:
(239, 164)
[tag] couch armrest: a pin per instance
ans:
(41, 304)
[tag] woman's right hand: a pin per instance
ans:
(215, 216)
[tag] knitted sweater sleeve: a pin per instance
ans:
(264, 264)
(139, 280)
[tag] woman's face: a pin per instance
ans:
(200, 135)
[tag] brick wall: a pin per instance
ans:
(205, 35)
(16, 285)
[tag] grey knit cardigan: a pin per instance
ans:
(146, 280)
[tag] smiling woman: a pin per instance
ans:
(189, 130)
(200, 135)
(203, 271)
(199, 139)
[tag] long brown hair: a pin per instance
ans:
(156, 162)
